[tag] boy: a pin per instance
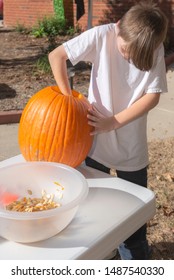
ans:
(128, 74)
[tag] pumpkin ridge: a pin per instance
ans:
(51, 132)
(66, 127)
(29, 118)
(37, 127)
(52, 154)
(58, 129)
(22, 129)
(77, 121)
(45, 124)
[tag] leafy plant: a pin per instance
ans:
(50, 26)
(59, 8)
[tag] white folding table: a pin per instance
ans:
(113, 210)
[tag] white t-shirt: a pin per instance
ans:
(114, 85)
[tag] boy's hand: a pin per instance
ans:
(100, 122)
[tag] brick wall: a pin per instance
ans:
(26, 12)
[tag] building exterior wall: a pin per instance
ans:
(26, 12)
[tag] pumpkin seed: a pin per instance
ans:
(28, 204)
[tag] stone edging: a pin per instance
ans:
(7, 117)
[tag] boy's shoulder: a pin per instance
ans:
(104, 29)
(99, 32)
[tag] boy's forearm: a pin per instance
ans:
(137, 109)
(57, 59)
(101, 123)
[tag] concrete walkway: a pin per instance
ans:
(161, 118)
(160, 122)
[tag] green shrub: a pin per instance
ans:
(50, 26)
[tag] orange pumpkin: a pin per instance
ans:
(54, 127)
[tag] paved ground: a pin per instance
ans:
(161, 118)
(160, 123)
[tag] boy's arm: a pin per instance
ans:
(102, 123)
(57, 59)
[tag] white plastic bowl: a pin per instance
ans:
(35, 176)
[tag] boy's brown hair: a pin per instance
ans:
(143, 28)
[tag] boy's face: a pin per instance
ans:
(121, 45)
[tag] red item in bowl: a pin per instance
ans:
(7, 198)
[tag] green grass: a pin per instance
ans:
(42, 65)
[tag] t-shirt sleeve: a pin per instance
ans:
(157, 79)
(82, 47)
